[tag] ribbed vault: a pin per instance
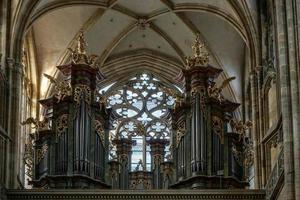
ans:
(147, 35)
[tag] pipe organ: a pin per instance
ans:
(71, 147)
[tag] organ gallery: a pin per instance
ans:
(149, 99)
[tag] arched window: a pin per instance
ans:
(141, 107)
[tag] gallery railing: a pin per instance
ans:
(275, 177)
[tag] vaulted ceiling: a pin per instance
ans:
(141, 34)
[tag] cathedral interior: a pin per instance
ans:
(150, 99)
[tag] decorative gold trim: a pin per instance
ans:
(238, 155)
(79, 55)
(81, 91)
(157, 159)
(100, 131)
(62, 88)
(28, 158)
(37, 125)
(239, 127)
(41, 153)
(200, 57)
(217, 127)
(215, 92)
(61, 124)
(249, 153)
(181, 131)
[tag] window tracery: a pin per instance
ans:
(142, 109)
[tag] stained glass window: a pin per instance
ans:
(142, 108)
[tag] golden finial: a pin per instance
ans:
(79, 55)
(81, 43)
(200, 57)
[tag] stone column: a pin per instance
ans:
(293, 61)
(255, 129)
(14, 71)
(261, 126)
(289, 93)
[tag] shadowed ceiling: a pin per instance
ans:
(140, 34)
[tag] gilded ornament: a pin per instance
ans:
(157, 158)
(179, 97)
(79, 55)
(123, 157)
(100, 131)
(102, 99)
(82, 91)
(146, 183)
(167, 169)
(217, 126)
(41, 152)
(28, 158)
(239, 127)
(180, 133)
(215, 92)
(238, 155)
(114, 170)
(140, 177)
(200, 57)
(201, 91)
(61, 124)
(62, 88)
(37, 125)
(248, 153)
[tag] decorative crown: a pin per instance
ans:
(200, 57)
(79, 55)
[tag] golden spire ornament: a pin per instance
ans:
(200, 57)
(79, 55)
(81, 43)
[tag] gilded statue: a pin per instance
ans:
(215, 92)
(79, 55)
(240, 127)
(178, 97)
(102, 101)
(62, 88)
(38, 125)
(200, 57)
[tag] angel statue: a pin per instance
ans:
(102, 102)
(215, 92)
(79, 54)
(179, 98)
(239, 127)
(62, 89)
(36, 123)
